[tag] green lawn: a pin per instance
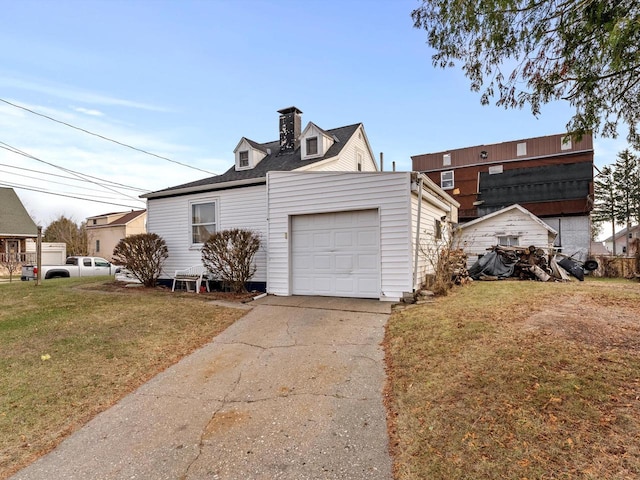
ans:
(71, 348)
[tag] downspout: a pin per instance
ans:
(417, 244)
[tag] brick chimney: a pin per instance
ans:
(290, 129)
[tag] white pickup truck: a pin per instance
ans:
(73, 267)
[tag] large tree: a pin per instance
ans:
(65, 230)
(625, 176)
(530, 52)
(605, 209)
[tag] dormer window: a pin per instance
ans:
(312, 146)
(243, 159)
(248, 154)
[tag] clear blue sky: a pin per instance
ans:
(187, 79)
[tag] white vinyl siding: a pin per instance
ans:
(236, 208)
(348, 159)
(299, 193)
(429, 214)
(476, 238)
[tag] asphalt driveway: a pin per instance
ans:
(293, 390)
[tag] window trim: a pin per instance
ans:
(509, 239)
(308, 141)
(240, 159)
(216, 218)
(443, 180)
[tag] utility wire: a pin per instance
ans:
(103, 137)
(77, 174)
(64, 176)
(7, 184)
(22, 175)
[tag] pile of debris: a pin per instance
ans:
(527, 263)
(457, 265)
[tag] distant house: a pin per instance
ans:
(511, 226)
(622, 237)
(16, 227)
(106, 230)
(330, 223)
(551, 177)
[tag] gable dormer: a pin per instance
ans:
(314, 142)
(248, 154)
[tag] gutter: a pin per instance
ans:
(210, 187)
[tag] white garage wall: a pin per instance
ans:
(236, 208)
(297, 193)
(429, 213)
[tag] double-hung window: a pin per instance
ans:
(446, 180)
(243, 159)
(312, 146)
(203, 221)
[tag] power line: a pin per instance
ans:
(64, 176)
(103, 137)
(78, 174)
(22, 175)
(15, 185)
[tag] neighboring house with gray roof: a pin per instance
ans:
(16, 226)
(330, 223)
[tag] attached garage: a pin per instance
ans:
(350, 234)
(336, 254)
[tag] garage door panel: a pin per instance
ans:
(344, 263)
(336, 254)
(322, 263)
(302, 261)
(343, 239)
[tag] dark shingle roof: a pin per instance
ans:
(275, 161)
(14, 219)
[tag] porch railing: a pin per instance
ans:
(21, 258)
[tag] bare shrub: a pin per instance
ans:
(442, 256)
(143, 255)
(229, 255)
(11, 262)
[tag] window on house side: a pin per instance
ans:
(244, 159)
(521, 149)
(508, 241)
(446, 159)
(97, 246)
(446, 180)
(359, 161)
(565, 143)
(312, 146)
(203, 221)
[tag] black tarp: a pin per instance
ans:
(493, 264)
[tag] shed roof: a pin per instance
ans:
(515, 206)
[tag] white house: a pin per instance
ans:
(330, 223)
(511, 226)
(623, 238)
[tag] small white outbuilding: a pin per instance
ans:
(511, 226)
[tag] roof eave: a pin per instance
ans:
(205, 188)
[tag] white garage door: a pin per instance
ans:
(336, 254)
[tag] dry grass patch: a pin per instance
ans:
(71, 348)
(517, 380)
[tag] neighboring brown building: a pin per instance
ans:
(552, 177)
(105, 231)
